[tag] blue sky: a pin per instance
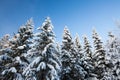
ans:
(79, 15)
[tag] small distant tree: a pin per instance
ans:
(4, 42)
(113, 47)
(78, 47)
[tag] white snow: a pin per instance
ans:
(36, 61)
(4, 72)
(56, 64)
(18, 59)
(12, 69)
(21, 47)
(42, 65)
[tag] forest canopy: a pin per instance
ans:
(29, 55)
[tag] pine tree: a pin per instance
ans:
(87, 49)
(71, 69)
(46, 66)
(4, 49)
(78, 47)
(66, 55)
(19, 47)
(99, 56)
(79, 60)
(113, 47)
(88, 62)
(113, 61)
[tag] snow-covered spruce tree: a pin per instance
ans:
(99, 56)
(66, 55)
(87, 49)
(113, 57)
(19, 46)
(4, 49)
(47, 65)
(71, 69)
(88, 63)
(113, 47)
(78, 47)
(80, 61)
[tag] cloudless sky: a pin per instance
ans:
(79, 15)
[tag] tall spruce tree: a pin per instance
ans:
(19, 46)
(80, 59)
(71, 67)
(88, 62)
(99, 56)
(47, 65)
(66, 55)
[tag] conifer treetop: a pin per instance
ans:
(47, 25)
(77, 40)
(67, 35)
